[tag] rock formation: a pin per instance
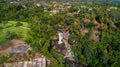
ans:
(20, 48)
(63, 38)
(65, 48)
(37, 62)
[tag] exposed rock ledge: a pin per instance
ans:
(37, 62)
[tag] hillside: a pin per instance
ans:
(87, 32)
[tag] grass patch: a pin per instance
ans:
(13, 29)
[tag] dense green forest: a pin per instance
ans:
(94, 30)
(64, 0)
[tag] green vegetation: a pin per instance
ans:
(13, 30)
(94, 30)
(3, 59)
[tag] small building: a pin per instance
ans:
(55, 11)
(67, 5)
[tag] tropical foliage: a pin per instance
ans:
(39, 28)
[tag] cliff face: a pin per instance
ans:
(20, 54)
(63, 38)
(37, 62)
(65, 49)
